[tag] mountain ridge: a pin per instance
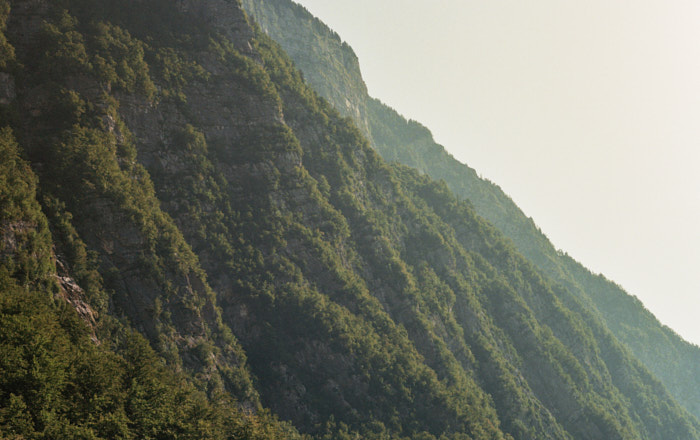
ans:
(251, 258)
(412, 144)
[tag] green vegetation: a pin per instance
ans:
(7, 52)
(25, 250)
(332, 69)
(196, 245)
(55, 382)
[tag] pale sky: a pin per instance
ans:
(586, 113)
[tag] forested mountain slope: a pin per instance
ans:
(69, 372)
(180, 184)
(332, 69)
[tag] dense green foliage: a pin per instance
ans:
(55, 382)
(194, 235)
(332, 69)
(25, 250)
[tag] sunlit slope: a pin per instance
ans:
(201, 194)
(331, 68)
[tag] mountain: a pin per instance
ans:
(196, 245)
(332, 69)
(57, 379)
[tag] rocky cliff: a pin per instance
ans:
(328, 63)
(319, 53)
(201, 194)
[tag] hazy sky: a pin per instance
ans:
(586, 113)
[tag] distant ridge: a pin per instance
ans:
(332, 69)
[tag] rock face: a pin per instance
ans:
(74, 295)
(7, 88)
(331, 68)
(92, 168)
(329, 64)
(250, 232)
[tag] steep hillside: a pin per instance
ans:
(195, 189)
(336, 75)
(323, 58)
(57, 379)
